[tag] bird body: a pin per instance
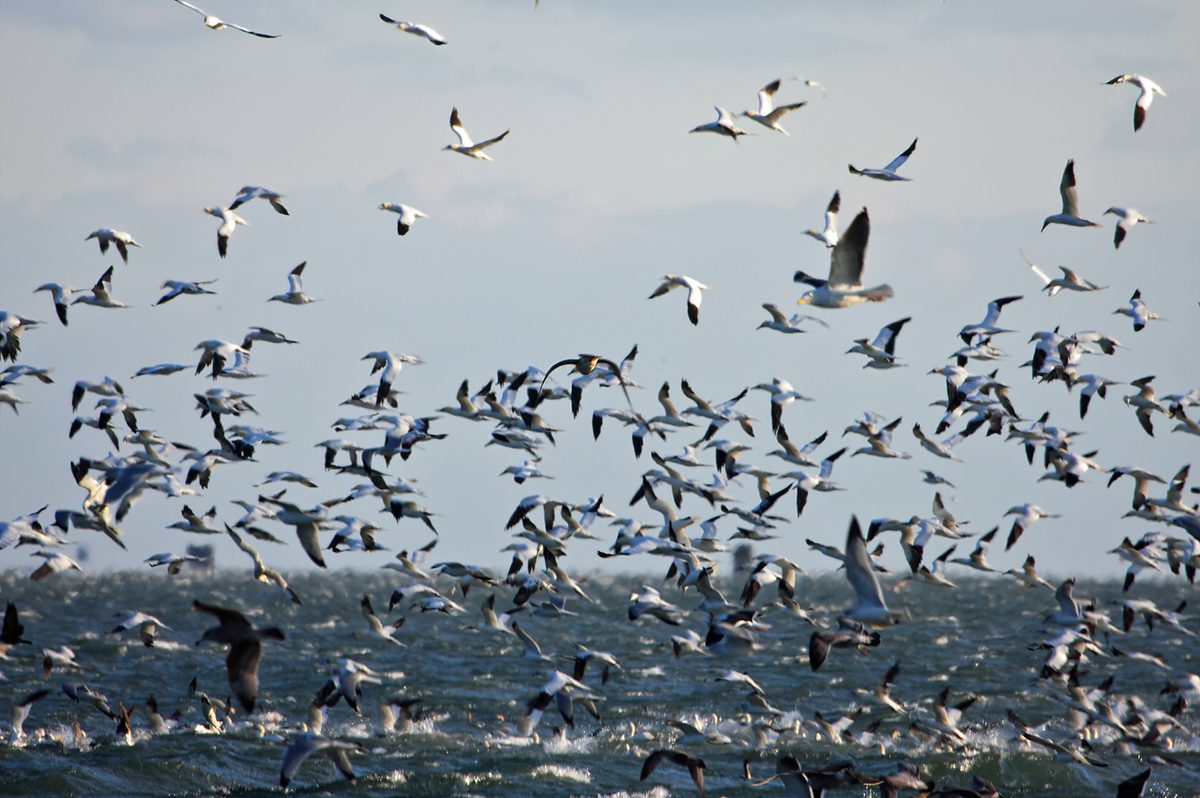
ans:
(888, 173)
(465, 145)
(1147, 89)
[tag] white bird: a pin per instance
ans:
(1135, 310)
(389, 364)
(11, 327)
(101, 293)
(694, 296)
(215, 23)
(1070, 202)
(888, 172)
(247, 193)
(785, 324)
(724, 126)
(229, 223)
(1126, 219)
(829, 236)
(55, 562)
(987, 327)
(416, 29)
(176, 288)
(408, 215)
(869, 606)
(881, 352)
(1070, 281)
(1148, 89)
(118, 238)
(147, 626)
(768, 115)
(295, 294)
(308, 744)
(465, 146)
(844, 288)
(61, 295)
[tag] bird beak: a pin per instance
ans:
(804, 300)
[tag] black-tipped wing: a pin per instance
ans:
(846, 263)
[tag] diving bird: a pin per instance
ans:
(1070, 202)
(694, 297)
(215, 23)
(465, 146)
(888, 172)
(408, 215)
(768, 115)
(416, 29)
(829, 235)
(723, 126)
(229, 223)
(247, 193)
(118, 238)
(245, 649)
(1126, 219)
(1148, 89)
(844, 288)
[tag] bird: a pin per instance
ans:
(176, 288)
(262, 572)
(1137, 311)
(465, 146)
(1148, 89)
(56, 562)
(768, 115)
(585, 364)
(101, 293)
(694, 297)
(785, 324)
(118, 238)
(408, 215)
(416, 29)
(1126, 219)
(881, 352)
(245, 649)
(844, 288)
(694, 765)
(1069, 281)
(829, 235)
(229, 223)
(310, 743)
(987, 327)
(215, 23)
(725, 125)
(1070, 202)
(11, 327)
(869, 606)
(147, 626)
(247, 193)
(295, 294)
(61, 295)
(378, 627)
(888, 173)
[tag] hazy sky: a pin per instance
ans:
(132, 115)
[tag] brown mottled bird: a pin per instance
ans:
(245, 649)
(695, 765)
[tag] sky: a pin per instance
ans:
(134, 116)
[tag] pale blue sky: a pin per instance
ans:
(134, 116)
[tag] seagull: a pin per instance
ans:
(416, 29)
(888, 172)
(829, 236)
(310, 743)
(295, 294)
(408, 215)
(247, 193)
(176, 288)
(694, 288)
(60, 294)
(869, 606)
(1148, 89)
(245, 649)
(768, 115)
(465, 146)
(1135, 310)
(229, 222)
(1070, 202)
(118, 238)
(1126, 219)
(844, 288)
(215, 23)
(724, 126)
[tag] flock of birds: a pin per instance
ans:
(518, 406)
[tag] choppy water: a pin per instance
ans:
(475, 683)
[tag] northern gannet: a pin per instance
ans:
(176, 288)
(215, 23)
(694, 297)
(308, 744)
(1138, 312)
(295, 294)
(881, 352)
(416, 29)
(1069, 281)
(11, 327)
(1148, 89)
(829, 235)
(101, 293)
(408, 215)
(888, 172)
(1070, 202)
(768, 115)
(229, 222)
(61, 295)
(465, 146)
(118, 238)
(724, 126)
(844, 288)
(247, 193)
(1126, 219)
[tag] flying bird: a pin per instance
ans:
(229, 223)
(844, 288)
(118, 238)
(1148, 89)
(247, 193)
(725, 125)
(768, 115)
(888, 173)
(416, 29)
(1126, 219)
(465, 146)
(829, 235)
(295, 294)
(694, 296)
(245, 649)
(1070, 202)
(408, 215)
(216, 23)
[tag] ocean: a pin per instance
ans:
(980, 640)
